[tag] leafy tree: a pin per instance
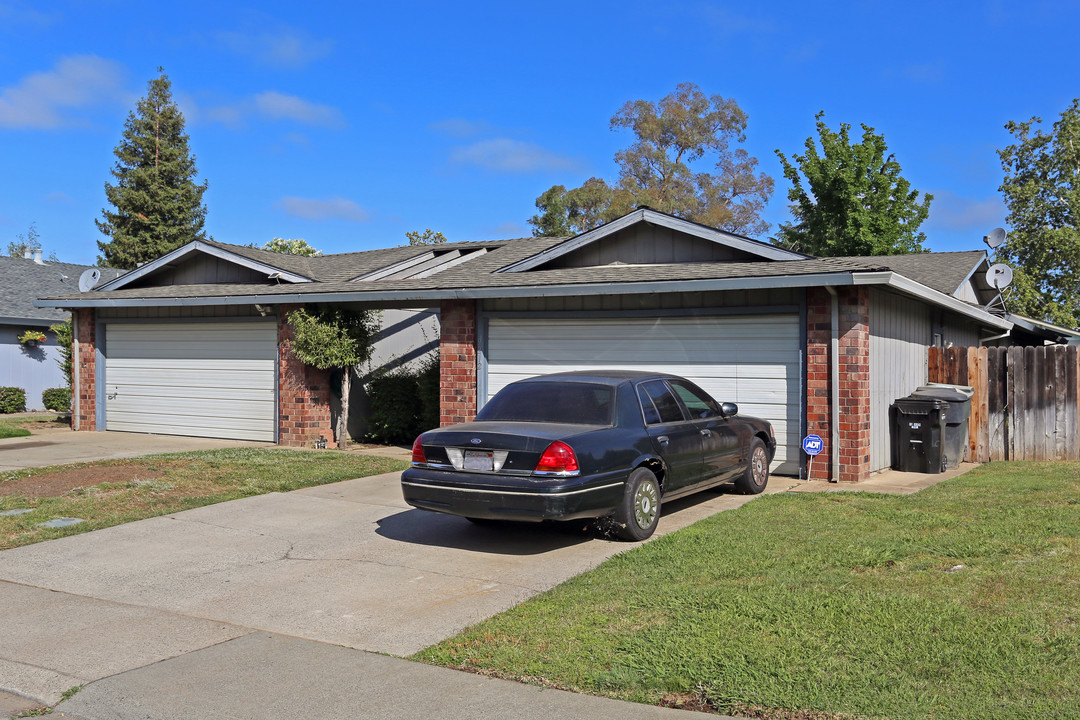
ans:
(660, 169)
(30, 240)
(854, 202)
(428, 237)
(1042, 192)
(158, 206)
(64, 339)
(333, 338)
(291, 247)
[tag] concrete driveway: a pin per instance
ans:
(60, 447)
(347, 564)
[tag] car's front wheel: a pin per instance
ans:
(756, 476)
(639, 512)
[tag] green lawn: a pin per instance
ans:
(962, 601)
(15, 426)
(162, 484)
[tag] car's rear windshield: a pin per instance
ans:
(552, 402)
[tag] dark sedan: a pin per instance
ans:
(588, 445)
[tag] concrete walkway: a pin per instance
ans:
(65, 446)
(272, 606)
(277, 605)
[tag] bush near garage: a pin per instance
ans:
(57, 399)
(404, 403)
(12, 400)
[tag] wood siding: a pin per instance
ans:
(900, 333)
(201, 269)
(756, 299)
(1026, 404)
(643, 243)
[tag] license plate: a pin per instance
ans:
(479, 460)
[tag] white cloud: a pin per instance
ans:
(460, 127)
(60, 198)
(40, 100)
(513, 156)
(283, 48)
(279, 106)
(949, 211)
(335, 208)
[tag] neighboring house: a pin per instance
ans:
(195, 342)
(22, 280)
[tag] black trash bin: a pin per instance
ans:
(956, 417)
(918, 428)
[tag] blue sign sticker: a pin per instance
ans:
(812, 444)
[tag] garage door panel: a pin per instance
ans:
(752, 361)
(202, 379)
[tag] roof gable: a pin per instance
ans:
(204, 261)
(648, 237)
(22, 281)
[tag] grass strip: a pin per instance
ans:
(961, 601)
(180, 481)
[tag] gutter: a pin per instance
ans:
(910, 287)
(834, 371)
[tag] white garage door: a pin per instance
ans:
(752, 361)
(205, 379)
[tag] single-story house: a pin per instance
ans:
(22, 281)
(196, 342)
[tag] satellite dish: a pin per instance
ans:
(89, 279)
(999, 276)
(995, 238)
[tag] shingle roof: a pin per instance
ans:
(22, 281)
(942, 271)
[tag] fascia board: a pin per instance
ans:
(918, 290)
(38, 321)
(762, 250)
(198, 246)
(485, 293)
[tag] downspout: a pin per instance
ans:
(834, 371)
(75, 406)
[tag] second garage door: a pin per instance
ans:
(210, 379)
(753, 361)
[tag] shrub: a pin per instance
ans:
(57, 399)
(404, 403)
(12, 400)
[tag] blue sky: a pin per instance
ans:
(349, 124)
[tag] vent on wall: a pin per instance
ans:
(423, 265)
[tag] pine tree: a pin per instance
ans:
(158, 206)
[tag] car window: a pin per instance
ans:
(554, 402)
(696, 401)
(666, 407)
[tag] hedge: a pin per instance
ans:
(57, 399)
(12, 400)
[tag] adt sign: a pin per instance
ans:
(812, 444)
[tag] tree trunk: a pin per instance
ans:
(342, 429)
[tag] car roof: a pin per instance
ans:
(605, 377)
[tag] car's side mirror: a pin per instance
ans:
(729, 409)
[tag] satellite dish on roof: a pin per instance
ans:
(995, 238)
(998, 276)
(89, 279)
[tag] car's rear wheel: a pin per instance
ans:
(639, 512)
(756, 476)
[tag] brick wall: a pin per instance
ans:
(303, 394)
(84, 365)
(854, 390)
(457, 361)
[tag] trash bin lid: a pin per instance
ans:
(965, 389)
(947, 394)
(921, 405)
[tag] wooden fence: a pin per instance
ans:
(1026, 404)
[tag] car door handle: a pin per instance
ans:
(662, 439)
(706, 433)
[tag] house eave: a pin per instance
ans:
(915, 289)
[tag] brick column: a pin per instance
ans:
(84, 369)
(854, 390)
(457, 362)
(303, 394)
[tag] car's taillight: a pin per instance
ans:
(558, 457)
(418, 452)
